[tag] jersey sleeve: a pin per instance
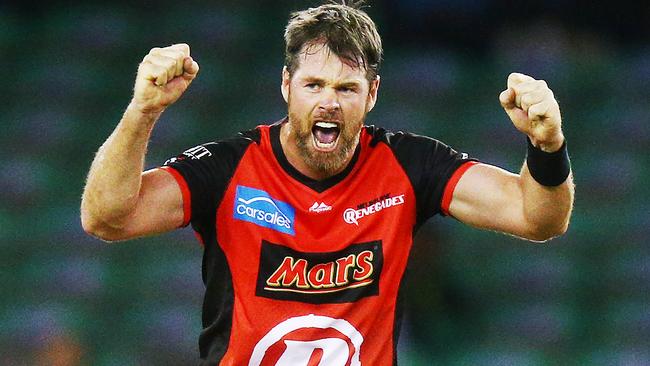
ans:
(203, 173)
(433, 168)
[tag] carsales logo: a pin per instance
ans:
(296, 341)
(352, 216)
(257, 206)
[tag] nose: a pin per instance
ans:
(329, 101)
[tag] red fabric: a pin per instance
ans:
(451, 186)
(254, 317)
(187, 201)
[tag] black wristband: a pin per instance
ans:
(548, 169)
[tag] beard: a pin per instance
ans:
(325, 163)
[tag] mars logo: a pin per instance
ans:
(296, 341)
(318, 278)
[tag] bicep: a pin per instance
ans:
(160, 206)
(490, 198)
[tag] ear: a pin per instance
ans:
(372, 94)
(286, 81)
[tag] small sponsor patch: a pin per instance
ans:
(257, 206)
(320, 207)
(194, 153)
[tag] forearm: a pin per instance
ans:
(114, 179)
(546, 209)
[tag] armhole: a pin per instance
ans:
(448, 193)
(185, 191)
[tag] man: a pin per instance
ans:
(307, 224)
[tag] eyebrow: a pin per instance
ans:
(345, 83)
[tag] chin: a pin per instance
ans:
(325, 144)
(326, 163)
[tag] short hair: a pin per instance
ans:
(346, 29)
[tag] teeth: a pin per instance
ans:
(323, 145)
(326, 125)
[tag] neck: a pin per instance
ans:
(288, 143)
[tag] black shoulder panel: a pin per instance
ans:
(207, 170)
(428, 163)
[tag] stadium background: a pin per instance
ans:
(474, 297)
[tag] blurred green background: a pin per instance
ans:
(474, 297)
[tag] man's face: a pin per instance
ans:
(328, 99)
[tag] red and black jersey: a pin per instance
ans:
(299, 271)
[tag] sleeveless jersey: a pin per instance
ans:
(299, 271)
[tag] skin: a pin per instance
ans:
(489, 197)
(120, 202)
(324, 87)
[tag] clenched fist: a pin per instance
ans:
(163, 76)
(531, 106)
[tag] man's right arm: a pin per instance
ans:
(120, 201)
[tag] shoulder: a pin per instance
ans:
(403, 142)
(222, 148)
(241, 139)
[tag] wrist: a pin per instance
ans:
(145, 110)
(548, 168)
(139, 117)
(550, 145)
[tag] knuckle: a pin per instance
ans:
(172, 53)
(178, 54)
(163, 62)
(548, 95)
(148, 58)
(536, 108)
(157, 70)
(170, 62)
(145, 67)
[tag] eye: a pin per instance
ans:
(312, 86)
(348, 89)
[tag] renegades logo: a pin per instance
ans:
(317, 278)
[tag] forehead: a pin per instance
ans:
(318, 61)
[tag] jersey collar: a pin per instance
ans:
(317, 185)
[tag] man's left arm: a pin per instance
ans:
(536, 204)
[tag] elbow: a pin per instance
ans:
(543, 234)
(97, 228)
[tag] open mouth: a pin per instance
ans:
(326, 135)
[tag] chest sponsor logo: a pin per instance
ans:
(319, 278)
(301, 340)
(353, 215)
(257, 206)
(320, 207)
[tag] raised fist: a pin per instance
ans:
(163, 76)
(532, 107)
